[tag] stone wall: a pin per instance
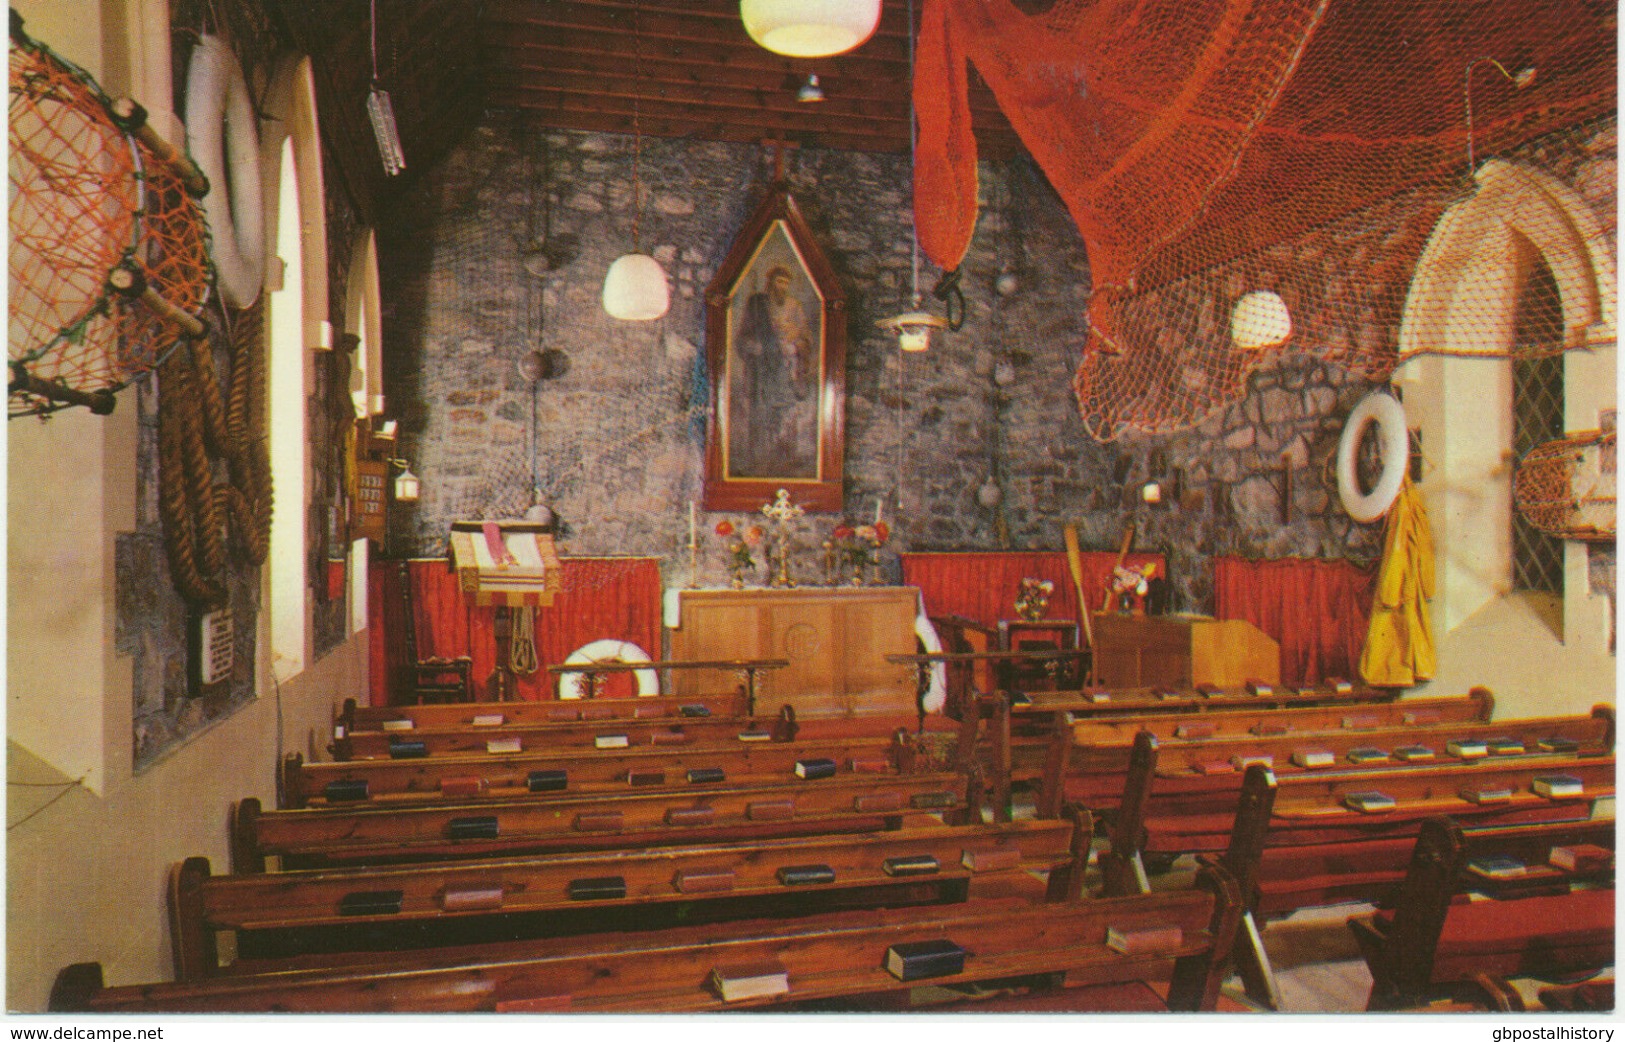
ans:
(975, 445)
(620, 436)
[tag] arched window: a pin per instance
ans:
(297, 314)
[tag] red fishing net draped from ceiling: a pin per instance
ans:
(1210, 148)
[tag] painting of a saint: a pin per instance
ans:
(774, 367)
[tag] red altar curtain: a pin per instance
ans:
(982, 586)
(616, 598)
(1317, 610)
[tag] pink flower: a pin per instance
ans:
(882, 532)
(867, 533)
(725, 528)
(842, 532)
(753, 535)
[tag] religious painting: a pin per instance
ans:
(775, 344)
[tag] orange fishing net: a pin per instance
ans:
(88, 200)
(1198, 143)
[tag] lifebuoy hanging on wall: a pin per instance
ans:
(573, 686)
(223, 137)
(1384, 410)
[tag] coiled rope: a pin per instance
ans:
(522, 644)
(196, 430)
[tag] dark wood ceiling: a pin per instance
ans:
(669, 68)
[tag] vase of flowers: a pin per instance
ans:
(857, 550)
(740, 557)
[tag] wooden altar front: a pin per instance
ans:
(835, 639)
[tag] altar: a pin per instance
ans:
(835, 639)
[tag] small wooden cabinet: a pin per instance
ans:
(1175, 651)
(835, 639)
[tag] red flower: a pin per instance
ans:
(753, 535)
(842, 532)
(882, 532)
(725, 528)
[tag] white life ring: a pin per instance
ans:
(936, 692)
(573, 686)
(1384, 410)
(222, 135)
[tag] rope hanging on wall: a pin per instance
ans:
(195, 427)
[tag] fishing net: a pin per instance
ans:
(1207, 149)
(91, 209)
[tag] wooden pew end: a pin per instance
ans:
(74, 988)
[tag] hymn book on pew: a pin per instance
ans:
(1312, 758)
(915, 960)
(819, 768)
(1144, 940)
(1413, 753)
(1370, 802)
(1556, 786)
(1504, 746)
(1467, 748)
(1366, 754)
(1497, 866)
(1485, 793)
(750, 981)
(1581, 857)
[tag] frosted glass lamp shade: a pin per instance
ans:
(407, 486)
(810, 28)
(635, 288)
(913, 328)
(1260, 320)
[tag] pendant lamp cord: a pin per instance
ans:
(372, 28)
(637, 130)
(913, 160)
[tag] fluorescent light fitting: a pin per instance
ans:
(382, 114)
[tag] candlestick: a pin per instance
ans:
(693, 538)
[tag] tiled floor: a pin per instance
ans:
(1317, 964)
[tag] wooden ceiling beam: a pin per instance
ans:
(569, 110)
(686, 34)
(592, 57)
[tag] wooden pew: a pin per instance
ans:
(1476, 705)
(1293, 842)
(484, 775)
(354, 717)
(823, 957)
(1100, 744)
(1097, 775)
(543, 736)
(368, 900)
(1431, 943)
(633, 817)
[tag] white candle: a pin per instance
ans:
(878, 501)
(693, 538)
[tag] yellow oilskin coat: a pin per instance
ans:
(1399, 647)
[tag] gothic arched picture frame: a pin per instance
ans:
(776, 354)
